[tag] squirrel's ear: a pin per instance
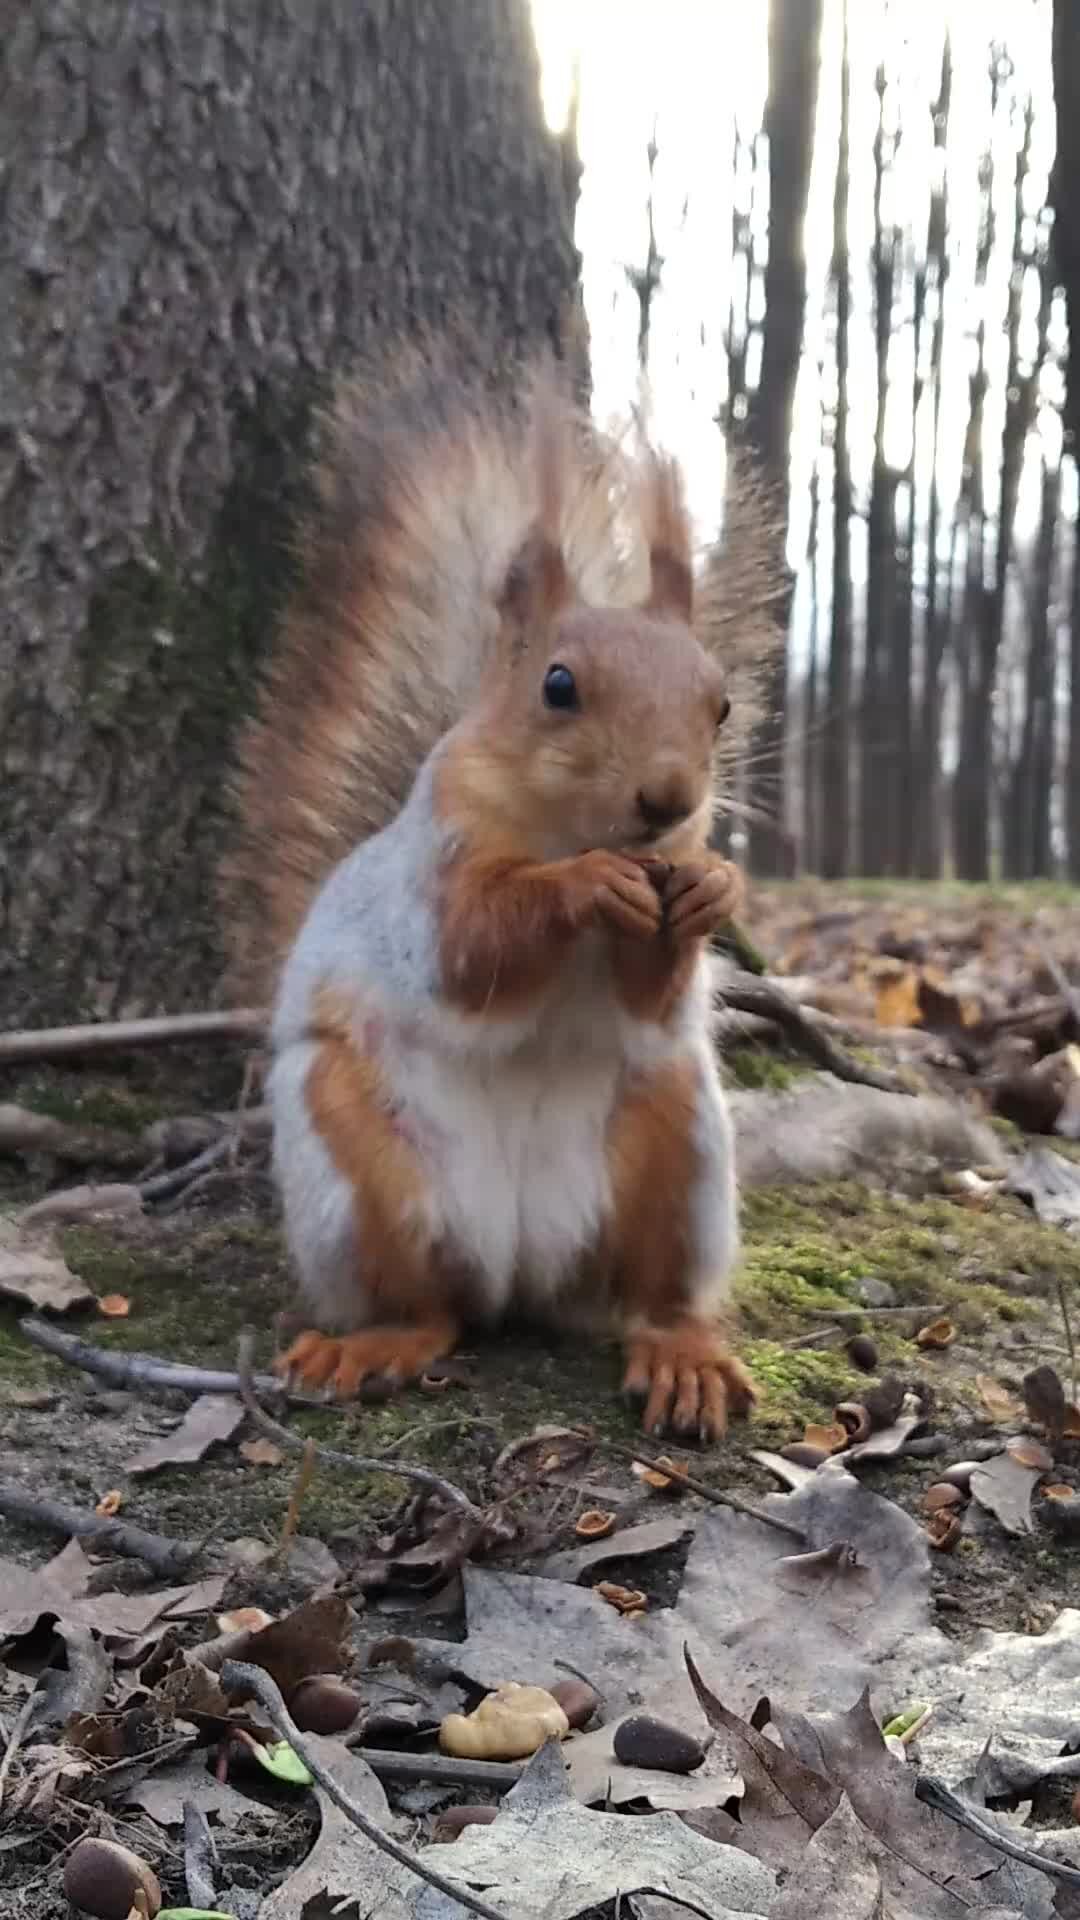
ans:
(667, 530)
(537, 585)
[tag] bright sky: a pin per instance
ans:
(697, 69)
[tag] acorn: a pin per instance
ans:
(324, 1704)
(642, 1741)
(802, 1455)
(577, 1699)
(862, 1352)
(453, 1821)
(104, 1879)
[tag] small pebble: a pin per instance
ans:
(876, 1293)
(645, 1742)
(801, 1454)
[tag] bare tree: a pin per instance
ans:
(1066, 240)
(794, 37)
(836, 725)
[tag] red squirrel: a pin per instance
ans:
(475, 810)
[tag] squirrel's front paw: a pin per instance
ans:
(687, 1378)
(615, 890)
(701, 897)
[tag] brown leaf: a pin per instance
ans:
(28, 1594)
(784, 1801)
(1000, 1404)
(1071, 1428)
(261, 1452)
(311, 1639)
(938, 1335)
(35, 1274)
(115, 1306)
(652, 1536)
(896, 1000)
(212, 1417)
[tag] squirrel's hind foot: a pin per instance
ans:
(687, 1380)
(376, 1361)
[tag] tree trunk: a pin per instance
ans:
(927, 784)
(794, 36)
(836, 733)
(875, 720)
(1066, 243)
(208, 208)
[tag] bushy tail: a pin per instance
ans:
(427, 480)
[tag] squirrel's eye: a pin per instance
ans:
(560, 688)
(725, 709)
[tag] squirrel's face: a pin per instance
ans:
(603, 734)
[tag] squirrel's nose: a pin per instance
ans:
(664, 801)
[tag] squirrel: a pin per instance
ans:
(475, 805)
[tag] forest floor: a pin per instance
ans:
(194, 1276)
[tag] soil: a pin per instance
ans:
(196, 1275)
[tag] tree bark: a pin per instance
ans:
(794, 38)
(205, 210)
(1066, 244)
(927, 788)
(876, 743)
(836, 732)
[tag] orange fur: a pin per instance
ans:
(676, 1362)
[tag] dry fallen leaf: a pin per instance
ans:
(896, 1000)
(1004, 1486)
(261, 1453)
(110, 1503)
(115, 1306)
(1044, 1398)
(998, 1401)
(938, 1335)
(210, 1418)
(35, 1274)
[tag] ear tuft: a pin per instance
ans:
(667, 531)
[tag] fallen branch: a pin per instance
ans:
(387, 1763)
(849, 1316)
(701, 1487)
(745, 993)
(169, 1559)
(161, 1186)
(118, 1036)
(333, 1456)
(22, 1131)
(139, 1370)
(934, 1793)
(250, 1682)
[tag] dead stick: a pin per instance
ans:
(388, 1764)
(934, 1793)
(845, 1315)
(22, 1721)
(170, 1559)
(746, 994)
(116, 1036)
(1064, 1305)
(333, 1456)
(159, 1186)
(252, 1682)
(22, 1131)
(678, 1474)
(296, 1497)
(141, 1370)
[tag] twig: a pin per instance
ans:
(169, 1559)
(1069, 993)
(159, 1186)
(333, 1456)
(252, 1682)
(22, 1721)
(713, 1494)
(745, 993)
(388, 1764)
(117, 1036)
(296, 1496)
(844, 1316)
(1070, 1343)
(140, 1370)
(934, 1793)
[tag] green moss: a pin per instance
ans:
(83, 1102)
(798, 1385)
(756, 1067)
